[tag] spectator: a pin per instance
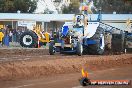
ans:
(10, 36)
(6, 36)
(1, 37)
(3, 30)
(14, 35)
(18, 35)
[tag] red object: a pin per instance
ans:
(84, 8)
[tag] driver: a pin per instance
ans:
(78, 19)
(79, 22)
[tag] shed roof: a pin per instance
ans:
(60, 17)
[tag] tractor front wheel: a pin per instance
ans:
(79, 49)
(51, 48)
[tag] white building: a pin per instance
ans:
(55, 21)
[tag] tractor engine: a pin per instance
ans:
(76, 32)
(70, 32)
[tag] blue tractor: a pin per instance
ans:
(80, 36)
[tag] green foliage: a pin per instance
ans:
(108, 6)
(72, 8)
(48, 11)
(25, 6)
(65, 10)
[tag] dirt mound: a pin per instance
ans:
(11, 70)
(24, 51)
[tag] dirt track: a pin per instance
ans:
(71, 80)
(36, 63)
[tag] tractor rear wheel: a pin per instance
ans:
(118, 43)
(99, 47)
(29, 39)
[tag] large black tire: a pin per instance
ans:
(118, 43)
(29, 39)
(79, 49)
(128, 41)
(51, 48)
(99, 47)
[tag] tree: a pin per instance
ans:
(25, 6)
(109, 6)
(72, 8)
(65, 10)
(6, 5)
(48, 11)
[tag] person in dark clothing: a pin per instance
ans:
(14, 35)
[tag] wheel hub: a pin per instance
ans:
(27, 40)
(102, 41)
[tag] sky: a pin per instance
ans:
(42, 4)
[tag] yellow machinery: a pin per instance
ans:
(34, 38)
(1, 26)
(43, 36)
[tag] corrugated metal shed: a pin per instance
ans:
(36, 17)
(112, 17)
(60, 17)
